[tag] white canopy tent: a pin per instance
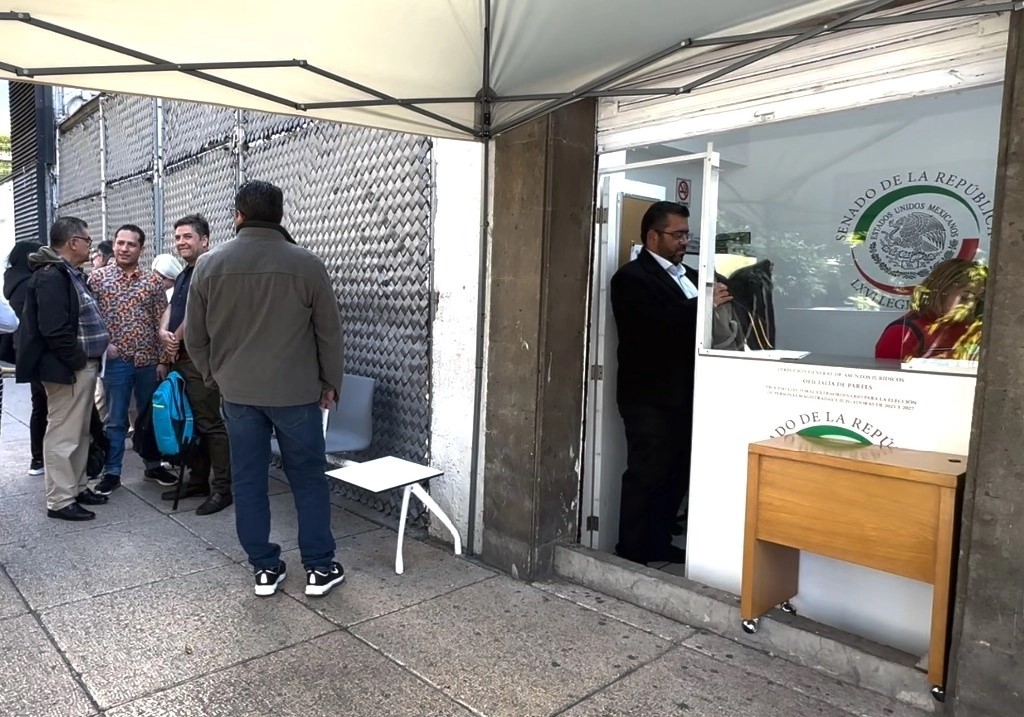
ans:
(449, 68)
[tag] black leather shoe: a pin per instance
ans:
(214, 504)
(87, 497)
(670, 554)
(187, 491)
(71, 512)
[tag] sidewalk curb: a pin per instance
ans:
(854, 660)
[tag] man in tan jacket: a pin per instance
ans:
(262, 323)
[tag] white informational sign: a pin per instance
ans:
(739, 401)
(683, 191)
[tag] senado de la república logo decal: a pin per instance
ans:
(904, 233)
(834, 434)
(836, 427)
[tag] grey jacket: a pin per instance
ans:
(262, 321)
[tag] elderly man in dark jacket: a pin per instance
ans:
(61, 341)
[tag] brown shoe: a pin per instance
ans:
(214, 504)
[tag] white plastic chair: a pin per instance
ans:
(348, 426)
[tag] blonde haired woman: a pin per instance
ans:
(945, 316)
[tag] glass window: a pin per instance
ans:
(859, 235)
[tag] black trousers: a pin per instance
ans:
(214, 453)
(657, 477)
(37, 422)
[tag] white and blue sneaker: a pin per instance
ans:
(320, 581)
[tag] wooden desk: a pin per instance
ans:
(891, 509)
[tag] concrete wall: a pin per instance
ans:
(458, 174)
(539, 283)
(987, 654)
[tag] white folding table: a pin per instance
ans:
(389, 473)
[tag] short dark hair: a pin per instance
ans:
(197, 222)
(105, 248)
(260, 201)
(65, 228)
(657, 215)
(134, 230)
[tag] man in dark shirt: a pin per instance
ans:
(192, 239)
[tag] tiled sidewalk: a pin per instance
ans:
(144, 612)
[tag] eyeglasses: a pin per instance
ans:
(678, 236)
(87, 240)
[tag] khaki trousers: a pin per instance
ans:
(66, 443)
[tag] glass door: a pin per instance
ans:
(624, 194)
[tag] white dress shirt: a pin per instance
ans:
(677, 273)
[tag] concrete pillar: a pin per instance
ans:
(543, 196)
(987, 656)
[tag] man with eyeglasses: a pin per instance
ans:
(61, 341)
(654, 300)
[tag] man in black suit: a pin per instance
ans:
(654, 300)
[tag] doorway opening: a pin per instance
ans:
(629, 182)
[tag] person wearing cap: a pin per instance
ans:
(167, 268)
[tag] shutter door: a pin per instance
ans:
(32, 129)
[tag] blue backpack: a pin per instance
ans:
(173, 425)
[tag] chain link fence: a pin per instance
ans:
(359, 198)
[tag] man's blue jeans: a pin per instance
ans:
(119, 380)
(300, 435)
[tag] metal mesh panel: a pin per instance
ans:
(190, 128)
(360, 199)
(129, 125)
(260, 125)
(88, 210)
(131, 202)
(205, 185)
(80, 160)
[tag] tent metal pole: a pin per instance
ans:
(156, 67)
(343, 104)
(841, 25)
(486, 92)
(950, 13)
(97, 42)
(326, 74)
(481, 345)
(922, 16)
(785, 45)
(582, 90)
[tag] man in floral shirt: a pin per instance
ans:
(132, 301)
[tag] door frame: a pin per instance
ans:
(599, 475)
